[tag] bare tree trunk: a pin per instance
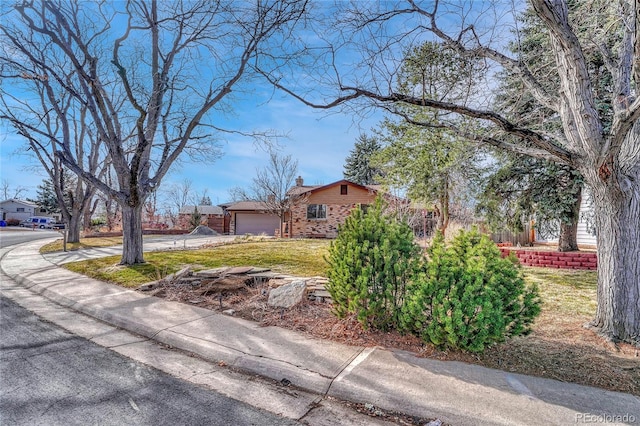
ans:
(568, 240)
(618, 224)
(73, 232)
(88, 213)
(110, 213)
(132, 251)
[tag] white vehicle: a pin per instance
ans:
(41, 222)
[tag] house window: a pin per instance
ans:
(364, 208)
(343, 189)
(20, 209)
(316, 211)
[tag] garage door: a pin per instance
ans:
(256, 223)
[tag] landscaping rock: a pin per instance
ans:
(239, 270)
(174, 277)
(203, 230)
(211, 273)
(279, 282)
(230, 312)
(287, 295)
(230, 283)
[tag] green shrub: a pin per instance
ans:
(469, 296)
(370, 264)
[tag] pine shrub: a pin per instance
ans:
(371, 262)
(469, 296)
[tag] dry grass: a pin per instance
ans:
(85, 243)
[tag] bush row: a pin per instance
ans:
(463, 296)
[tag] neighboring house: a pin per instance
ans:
(251, 217)
(317, 211)
(314, 211)
(211, 216)
(19, 210)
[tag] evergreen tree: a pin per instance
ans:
(46, 197)
(523, 186)
(358, 167)
(195, 219)
(371, 262)
(430, 163)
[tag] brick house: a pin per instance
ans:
(317, 211)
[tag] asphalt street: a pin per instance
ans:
(52, 377)
(11, 236)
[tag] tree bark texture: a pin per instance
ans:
(618, 238)
(132, 250)
(73, 231)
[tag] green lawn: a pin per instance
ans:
(295, 257)
(565, 292)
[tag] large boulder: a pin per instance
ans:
(287, 295)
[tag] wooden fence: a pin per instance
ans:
(523, 238)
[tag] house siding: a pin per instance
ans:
(586, 232)
(9, 210)
(339, 206)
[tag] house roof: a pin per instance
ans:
(299, 190)
(15, 200)
(217, 210)
(247, 206)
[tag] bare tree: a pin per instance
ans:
(34, 122)
(603, 144)
(10, 191)
(150, 73)
(272, 184)
(175, 197)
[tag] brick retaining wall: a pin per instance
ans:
(144, 232)
(554, 259)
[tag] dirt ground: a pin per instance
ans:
(558, 349)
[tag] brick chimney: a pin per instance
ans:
(299, 181)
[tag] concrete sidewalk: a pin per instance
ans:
(454, 392)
